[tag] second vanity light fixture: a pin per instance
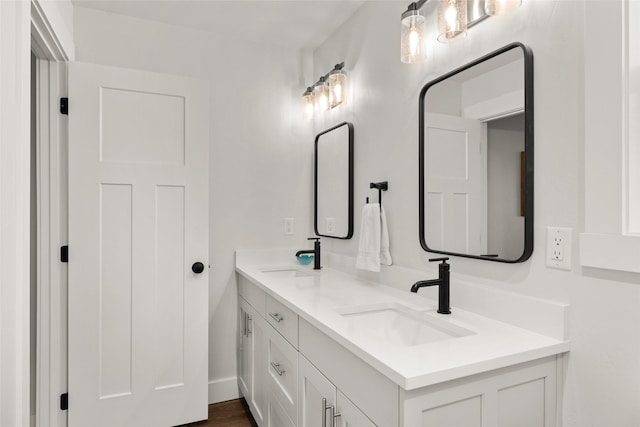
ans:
(328, 92)
(454, 17)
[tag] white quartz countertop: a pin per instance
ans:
(322, 297)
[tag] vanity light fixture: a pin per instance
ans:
(454, 18)
(328, 92)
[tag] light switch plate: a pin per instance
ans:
(288, 226)
(331, 225)
(559, 247)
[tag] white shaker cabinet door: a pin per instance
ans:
(316, 396)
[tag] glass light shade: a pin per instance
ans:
(501, 7)
(452, 19)
(321, 95)
(337, 87)
(308, 103)
(412, 37)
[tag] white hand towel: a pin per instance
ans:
(385, 255)
(369, 245)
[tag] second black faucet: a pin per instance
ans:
(315, 252)
(443, 285)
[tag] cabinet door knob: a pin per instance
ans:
(197, 267)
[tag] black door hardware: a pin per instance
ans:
(197, 267)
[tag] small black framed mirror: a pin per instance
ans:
(333, 182)
(476, 158)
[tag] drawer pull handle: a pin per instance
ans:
(249, 319)
(276, 367)
(276, 317)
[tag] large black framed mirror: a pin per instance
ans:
(333, 182)
(476, 158)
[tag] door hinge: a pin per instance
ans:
(64, 253)
(64, 401)
(64, 106)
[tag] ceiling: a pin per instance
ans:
(287, 23)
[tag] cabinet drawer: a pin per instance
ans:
(283, 320)
(283, 372)
(376, 395)
(250, 292)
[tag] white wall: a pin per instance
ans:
(603, 371)
(261, 150)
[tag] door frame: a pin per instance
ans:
(14, 213)
(52, 206)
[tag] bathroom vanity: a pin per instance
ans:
(330, 349)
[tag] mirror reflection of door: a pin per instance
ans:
(454, 180)
(473, 136)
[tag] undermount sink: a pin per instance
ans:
(395, 324)
(286, 272)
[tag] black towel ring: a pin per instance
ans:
(380, 186)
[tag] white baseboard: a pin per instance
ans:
(223, 389)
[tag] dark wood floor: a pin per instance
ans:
(234, 413)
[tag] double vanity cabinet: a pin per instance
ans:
(305, 360)
(282, 387)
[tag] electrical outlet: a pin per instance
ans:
(288, 226)
(559, 247)
(331, 225)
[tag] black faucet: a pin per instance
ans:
(442, 281)
(315, 252)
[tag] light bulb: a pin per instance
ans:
(414, 39)
(323, 102)
(450, 17)
(337, 93)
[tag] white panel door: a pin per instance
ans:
(455, 178)
(138, 221)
